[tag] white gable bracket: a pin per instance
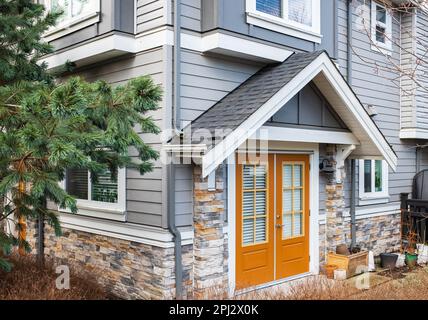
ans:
(342, 153)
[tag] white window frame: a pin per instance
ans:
(73, 24)
(373, 196)
(105, 210)
(376, 45)
(283, 24)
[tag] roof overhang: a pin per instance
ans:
(324, 73)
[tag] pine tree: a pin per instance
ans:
(22, 24)
(47, 129)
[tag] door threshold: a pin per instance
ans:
(273, 283)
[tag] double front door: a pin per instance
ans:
(272, 222)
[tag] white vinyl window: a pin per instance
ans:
(373, 179)
(104, 198)
(381, 26)
(77, 14)
(298, 18)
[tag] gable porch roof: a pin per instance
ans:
(239, 115)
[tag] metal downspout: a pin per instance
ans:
(353, 163)
(352, 209)
(176, 119)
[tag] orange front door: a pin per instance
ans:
(254, 223)
(292, 215)
(265, 233)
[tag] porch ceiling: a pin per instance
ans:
(242, 112)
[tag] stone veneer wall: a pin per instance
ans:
(129, 270)
(378, 233)
(210, 243)
(335, 205)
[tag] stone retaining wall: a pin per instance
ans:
(127, 269)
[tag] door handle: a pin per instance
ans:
(278, 226)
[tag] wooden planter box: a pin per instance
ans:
(353, 264)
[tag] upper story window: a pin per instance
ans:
(381, 26)
(373, 180)
(77, 14)
(298, 18)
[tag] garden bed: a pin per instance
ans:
(27, 281)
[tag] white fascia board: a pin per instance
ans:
(308, 135)
(354, 105)
(239, 47)
(414, 134)
(322, 64)
(127, 231)
(114, 44)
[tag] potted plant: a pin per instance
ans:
(411, 255)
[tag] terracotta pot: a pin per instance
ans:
(343, 250)
(329, 270)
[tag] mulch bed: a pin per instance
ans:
(28, 281)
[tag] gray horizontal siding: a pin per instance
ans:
(151, 14)
(422, 72)
(206, 79)
(144, 193)
(183, 194)
(375, 86)
(191, 14)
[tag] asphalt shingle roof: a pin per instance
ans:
(230, 112)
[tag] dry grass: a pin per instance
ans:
(28, 282)
(412, 287)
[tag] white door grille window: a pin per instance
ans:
(292, 200)
(254, 204)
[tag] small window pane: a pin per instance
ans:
(248, 177)
(367, 176)
(105, 190)
(77, 183)
(261, 230)
(261, 203)
(298, 200)
(380, 14)
(81, 7)
(380, 34)
(261, 177)
(298, 225)
(300, 11)
(287, 178)
(287, 202)
(272, 7)
(248, 204)
(378, 175)
(287, 230)
(248, 231)
(298, 175)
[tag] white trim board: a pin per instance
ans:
(328, 78)
(127, 231)
(116, 44)
(305, 135)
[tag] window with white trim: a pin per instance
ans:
(104, 198)
(77, 14)
(299, 18)
(381, 26)
(373, 179)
